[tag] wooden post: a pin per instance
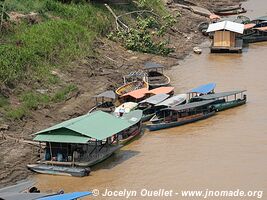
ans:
(51, 155)
(40, 149)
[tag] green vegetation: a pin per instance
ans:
(65, 32)
(32, 100)
(59, 34)
(147, 35)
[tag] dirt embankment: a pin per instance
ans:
(93, 75)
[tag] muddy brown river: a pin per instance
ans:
(225, 152)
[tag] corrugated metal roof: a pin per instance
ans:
(173, 101)
(190, 105)
(62, 135)
(226, 25)
(98, 125)
(155, 99)
(219, 95)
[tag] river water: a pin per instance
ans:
(225, 152)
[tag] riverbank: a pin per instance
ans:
(91, 75)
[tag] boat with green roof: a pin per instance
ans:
(72, 146)
(224, 100)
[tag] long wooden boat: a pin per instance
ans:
(227, 8)
(155, 75)
(180, 115)
(76, 144)
(157, 79)
(232, 12)
(59, 170)
(223, 100)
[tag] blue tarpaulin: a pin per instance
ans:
(204, 89)
(67, 196)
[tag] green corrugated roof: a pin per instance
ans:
(62, 135)
(98, 125)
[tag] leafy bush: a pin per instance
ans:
(144, 37)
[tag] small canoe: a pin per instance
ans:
(157, 79)
(128, 87)
(155, 76)
(227, 8)
(59, 170)
(233, 12)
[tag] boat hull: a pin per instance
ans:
(131, 87)
(130, 138)
(158, 126)
(233, 12)
(254, 39)
(59, 170)
(228, 105)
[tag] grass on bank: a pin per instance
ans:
(63, 33)
(31, 100)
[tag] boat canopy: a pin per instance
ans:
(137, 94)
(133, 117)
(97, 125)
(155, 99)
(226, 25)
(128, 107)
(107, 94)
(141, 93)
(67, 196)
(204, 89)
(153, 65)
(161, 90)
(219, 95)
(173, 101)
(190, 105)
